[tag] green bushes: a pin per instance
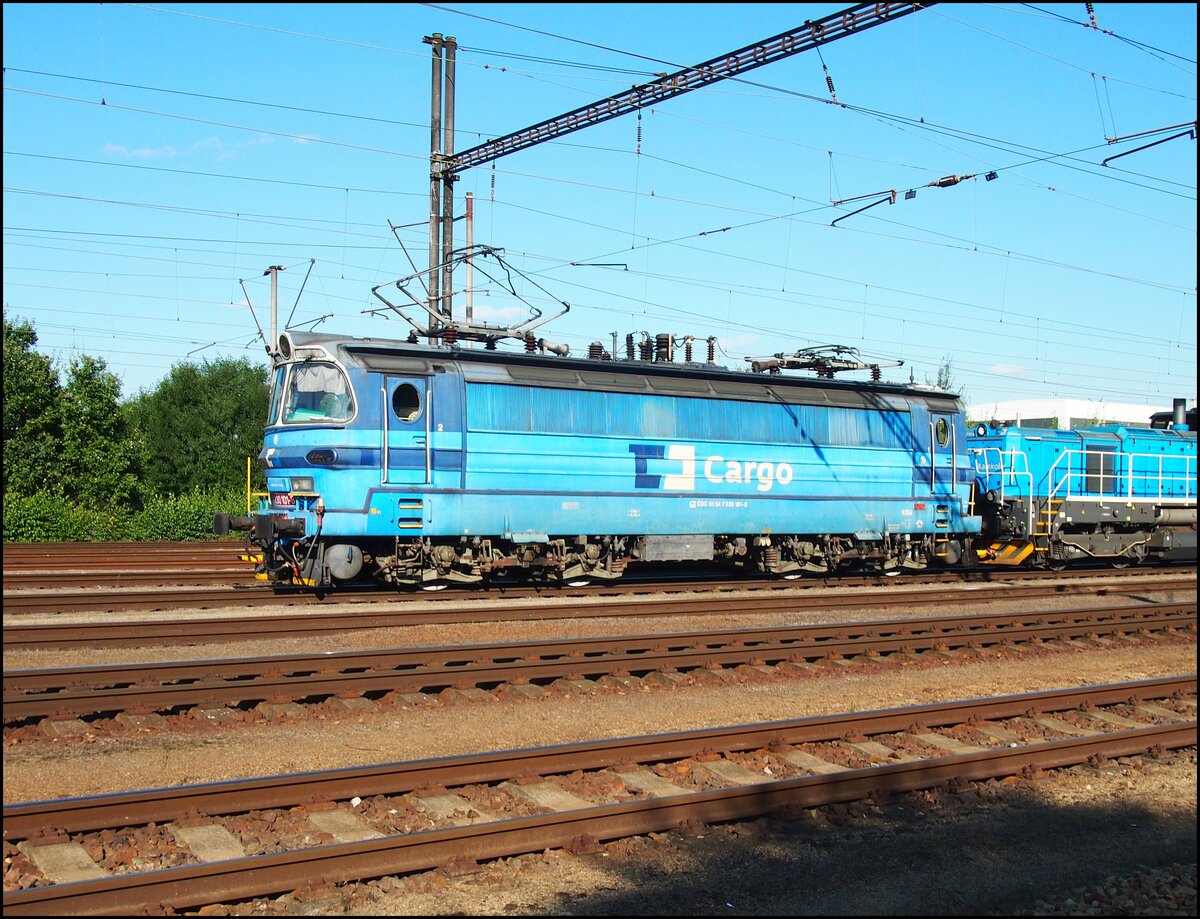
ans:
(185, 517)
(46, 518)
(49, 518)
(80, 464)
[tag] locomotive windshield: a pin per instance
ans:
(317, 393)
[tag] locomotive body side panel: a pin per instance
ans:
(581, 461)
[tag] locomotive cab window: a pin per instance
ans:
(942, 432)
(406, 402)
(276, 394)
(318, 393)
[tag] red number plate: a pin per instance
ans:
(282, 499)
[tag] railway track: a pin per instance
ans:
(195, 630)
(365, 679)
(191, 846)
(178, 576)
(49, 566)
(117, 549)
(77, 556)
(55, 566)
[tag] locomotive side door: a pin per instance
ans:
(943, 449)
(406, 423)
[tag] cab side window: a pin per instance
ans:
(277, 379)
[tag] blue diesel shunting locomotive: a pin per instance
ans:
(1113, 493)
(429, 464)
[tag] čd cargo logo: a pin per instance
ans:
(715, 469)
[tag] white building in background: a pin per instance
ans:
(1066, 413)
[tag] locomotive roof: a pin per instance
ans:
(676, 378)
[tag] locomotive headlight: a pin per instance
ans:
(981, 430)
(302, 483)
(324, 457)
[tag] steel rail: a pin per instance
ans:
(27, 554)
(63, 692)
(43, 579)
(92, 600)
(222, 629)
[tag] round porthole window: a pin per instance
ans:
(406, 402)
(942, 430)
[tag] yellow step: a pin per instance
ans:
(1006, 553)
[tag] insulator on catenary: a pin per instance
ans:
(664, 347)
(530, 342)
(876, 373)
(450, 336)
(629, 347)
(595, 350)
(712, 350)
(687, 348)
(646, 348)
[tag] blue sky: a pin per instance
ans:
(159, 158)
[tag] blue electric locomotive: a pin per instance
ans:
(430, 464)
(1110, 493)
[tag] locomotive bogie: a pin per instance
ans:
(424, 562)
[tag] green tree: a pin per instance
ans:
(200, 423)
(945, 377)
(100, 455)
(31, 416)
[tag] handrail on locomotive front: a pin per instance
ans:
(250, 495)
(1006, 472)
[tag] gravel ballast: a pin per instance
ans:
(1118, 839)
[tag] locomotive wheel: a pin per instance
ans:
(1136, 556)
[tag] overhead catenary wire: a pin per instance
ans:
(791, 208)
